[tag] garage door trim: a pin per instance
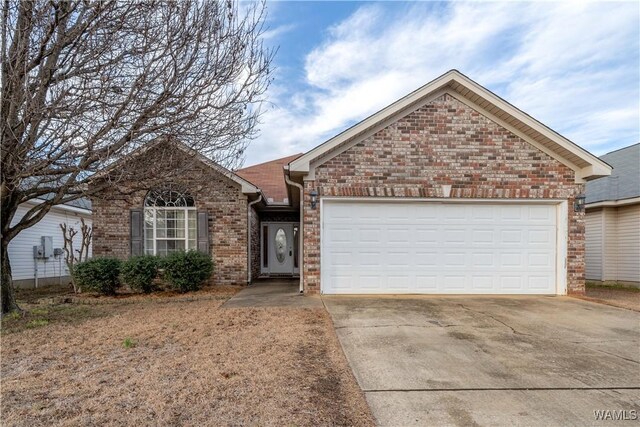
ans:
(561, 225)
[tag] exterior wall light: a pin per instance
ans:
(579, 203)
(314, 198)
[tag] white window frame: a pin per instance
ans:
(186, 239)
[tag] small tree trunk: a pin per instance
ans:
(8, 302)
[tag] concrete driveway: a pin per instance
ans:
(490, 360)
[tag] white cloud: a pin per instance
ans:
(274, 33)
(574, 66)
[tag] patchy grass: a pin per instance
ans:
(128, 343)
(37, 316)
(36, 323)
(176, 362)
(617, 286)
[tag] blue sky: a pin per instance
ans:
(573, 66)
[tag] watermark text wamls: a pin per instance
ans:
(615, 414)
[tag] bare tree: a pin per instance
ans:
(74, 256)
(85, 83)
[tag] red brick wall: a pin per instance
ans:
(255, 244)
(213, 192)
(444, 142)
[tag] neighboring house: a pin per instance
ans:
(613, 220)
(448, 190)
(50, 270)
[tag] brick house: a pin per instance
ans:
(448, 190)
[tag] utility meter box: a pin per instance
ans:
(38, 251)
(47, 246)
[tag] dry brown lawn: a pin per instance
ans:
(176, 361)
(622, 297)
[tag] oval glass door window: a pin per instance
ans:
(281, 245)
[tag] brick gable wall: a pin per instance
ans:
(213, 192)
(444, 142)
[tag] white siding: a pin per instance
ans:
(628, 243)
(613, 244)
(610, 233)
(21, 247)
(593, 244)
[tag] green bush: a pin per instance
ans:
(98, 274)
(139, 271)
(187, 271)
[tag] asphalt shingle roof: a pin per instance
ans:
(624, 182)
(269, 177)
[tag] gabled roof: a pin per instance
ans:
(247, 187)
(624, 182)
(586, 165)
(269, 177)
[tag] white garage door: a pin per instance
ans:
(438, 248)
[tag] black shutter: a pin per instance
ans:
(203, 232)
(136, 235)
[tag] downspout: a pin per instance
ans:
(301, 237)
(249, 260)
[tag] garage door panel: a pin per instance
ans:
(427, 258)
(438, 248)
(369, 235)
(426, 236)
(540, 260)
(481, 283)
(512, 283)
(398, 235)
(399, 282)
(540, 215)
(455, 236)
(454, 282)
(539, 282)
(426, 283)
(370, 258)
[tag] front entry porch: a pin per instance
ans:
(279, 249)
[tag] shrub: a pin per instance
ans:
(187, 271)
(98, 274)
(139, 271)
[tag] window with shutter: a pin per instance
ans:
(169, 222)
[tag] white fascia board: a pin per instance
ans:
(563, 142)
(613, 203)
(67, 208)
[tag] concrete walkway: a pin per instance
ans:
(273, 293)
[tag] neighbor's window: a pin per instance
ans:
(169, 222)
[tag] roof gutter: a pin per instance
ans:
(301, 237)
(613, 203)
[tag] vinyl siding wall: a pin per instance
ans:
(593, 245)
(613, 244)
(21, 247)
(629, 243)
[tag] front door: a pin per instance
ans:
(281, 248)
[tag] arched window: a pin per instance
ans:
(169, 221)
